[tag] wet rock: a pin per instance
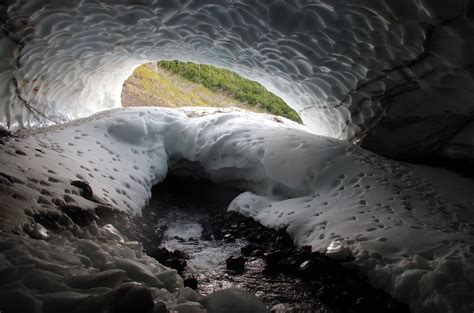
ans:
(36, 230)
(176, 259)
(161, 254)
(283, 239)
(190, 282)
(86, 190)
(272, 259)
(250, 249)
(78, 215)
(362, 303)
(235, 263)
(228, 238)
(177, 264)
(180, 255)
(310, 281)
(4, 134)
(337, 251)
(307, 267)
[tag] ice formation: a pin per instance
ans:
(405, 234)
(347, 66)
(396, 74)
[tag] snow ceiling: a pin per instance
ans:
(398, 73)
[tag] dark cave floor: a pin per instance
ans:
(186, 227)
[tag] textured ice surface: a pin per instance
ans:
(344, 65)
(404, 232)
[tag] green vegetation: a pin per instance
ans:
(177, 84)
(222, 80)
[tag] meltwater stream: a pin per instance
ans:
(184, 230)
(193, 233)
(190, 219)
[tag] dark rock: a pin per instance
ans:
(206, 234)
(273, 257)
(132, 227)
(180, 254)
(362, 303)
(78, 215)
(288, 265)
(249, 250)
(218, 234)
(4, 135)
(161, 254)
(52, 221)
(191, 282)
(306, 266)
(228, 238)
(86, 190)
(180, 239)
(235, 263)
(283, 239)
(177, 264)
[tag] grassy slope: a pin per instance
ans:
(203, 86)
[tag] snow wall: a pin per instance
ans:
(413, 238)
(396, 73)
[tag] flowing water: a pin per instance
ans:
(184, 223)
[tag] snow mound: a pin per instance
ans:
(342, 64)
(403, 233)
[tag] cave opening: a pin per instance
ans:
(175, 84)
(186, 226)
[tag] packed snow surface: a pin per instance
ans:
(403, 232)
(343, 65)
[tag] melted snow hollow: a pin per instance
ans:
(409, 238)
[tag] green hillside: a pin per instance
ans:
(177, 84)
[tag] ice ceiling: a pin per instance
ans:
(397, 74)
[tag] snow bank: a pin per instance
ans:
(407, 237)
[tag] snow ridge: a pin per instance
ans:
(403, 233)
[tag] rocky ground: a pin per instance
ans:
(286, 278)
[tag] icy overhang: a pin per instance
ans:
(347, 66)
